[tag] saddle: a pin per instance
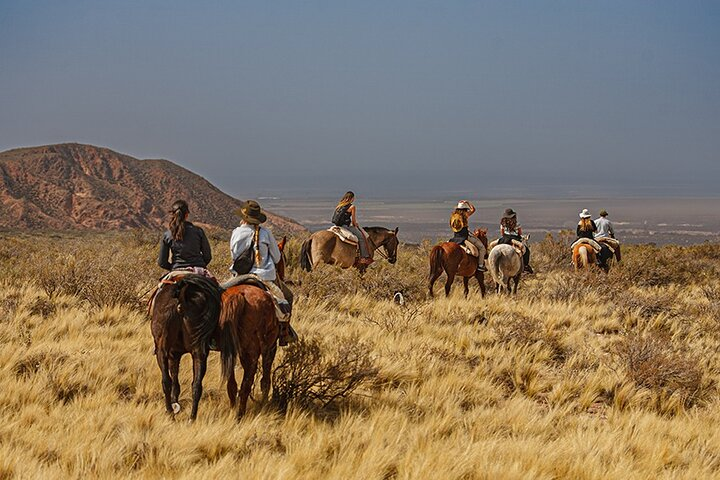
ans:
(611, 243)
(519, 246)
(470, 249)
(282, 307)
(344, 235)
(592, 243)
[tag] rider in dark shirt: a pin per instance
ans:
(586, 228)
(184, 244)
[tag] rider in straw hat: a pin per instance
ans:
(461, 231)
(586, 228)
(251, 235)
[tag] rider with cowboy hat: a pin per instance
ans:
(511, 230)
(461, 232)
(605, 230)
(251, 235)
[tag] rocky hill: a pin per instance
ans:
(72, 186)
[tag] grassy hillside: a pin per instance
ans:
(578, 376)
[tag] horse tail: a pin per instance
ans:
(305, 255)
(583, 251)
(233, 308)
(200, 302)
(495, 270)
(436, 259)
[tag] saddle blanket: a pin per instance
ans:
(595, 245)
(344, 234)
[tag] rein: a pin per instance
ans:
(376, 248)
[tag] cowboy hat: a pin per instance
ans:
(509, 213)
(585, 213)
(603, 213)
(251, 212)
(463, 206)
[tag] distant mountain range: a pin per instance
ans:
(72, 186)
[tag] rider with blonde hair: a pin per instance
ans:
(345, 216)
(461, 232)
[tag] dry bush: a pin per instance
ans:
(552, 253)
(313, 374)
(523, 330)
(652, 362)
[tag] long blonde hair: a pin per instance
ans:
(347, 199)
(585, 224)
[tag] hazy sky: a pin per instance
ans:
(370, 95)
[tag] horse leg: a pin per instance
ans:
(433, 278)
(480, 276)
(267, 361)
(249, 361)
(162, 360)
(232, 389)
(199, 368)
(174, 362)
(466, 287)
(449, 282)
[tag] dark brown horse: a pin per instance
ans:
(184, 316)
(280, 266)
(248, 315)
(452, 259)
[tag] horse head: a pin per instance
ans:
(386, 238)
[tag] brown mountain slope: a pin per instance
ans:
(72, 186)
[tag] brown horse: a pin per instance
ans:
(248, 316)
(280, 266)
(451, 258)
(583, 256)
(184, 316)
(326, 247)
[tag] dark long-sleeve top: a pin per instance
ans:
(587, 233)
(192, 251)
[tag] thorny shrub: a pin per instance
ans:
(651, 361)
(315, 375)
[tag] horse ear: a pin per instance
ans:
(281, 245)
(396, 230)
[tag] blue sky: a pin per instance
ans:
(410, 96)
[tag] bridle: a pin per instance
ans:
(379, 250)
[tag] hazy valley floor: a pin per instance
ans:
(578, 376)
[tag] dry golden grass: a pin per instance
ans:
(580, 376)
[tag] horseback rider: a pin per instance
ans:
(184, 246)
(345, 216)
(511, 230)
(257, 241)
(605, 230)
(587, 228)
(461, 232)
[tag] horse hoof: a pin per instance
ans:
(176, 408)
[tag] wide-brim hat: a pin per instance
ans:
(603, 213)
(251, 212)
(585, 213)
(463, 206)
(509, 213)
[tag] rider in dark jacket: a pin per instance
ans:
(183, 245)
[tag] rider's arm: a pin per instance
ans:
(502, 230)
(353, 219)
(519, 230)
(164, 254)
(205, 246)
(273, 249)
(472, 208)
(611, 230)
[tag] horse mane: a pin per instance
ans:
(201, 327)
(376, 229)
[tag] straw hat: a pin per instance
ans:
(463, 206)
(251, 212)
(585, 213)
(509, 213)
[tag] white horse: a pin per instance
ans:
(505, 263)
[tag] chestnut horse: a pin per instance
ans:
(184, 316)
(451, 258)
(325, 247)
(248, 316)
(584, 255)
